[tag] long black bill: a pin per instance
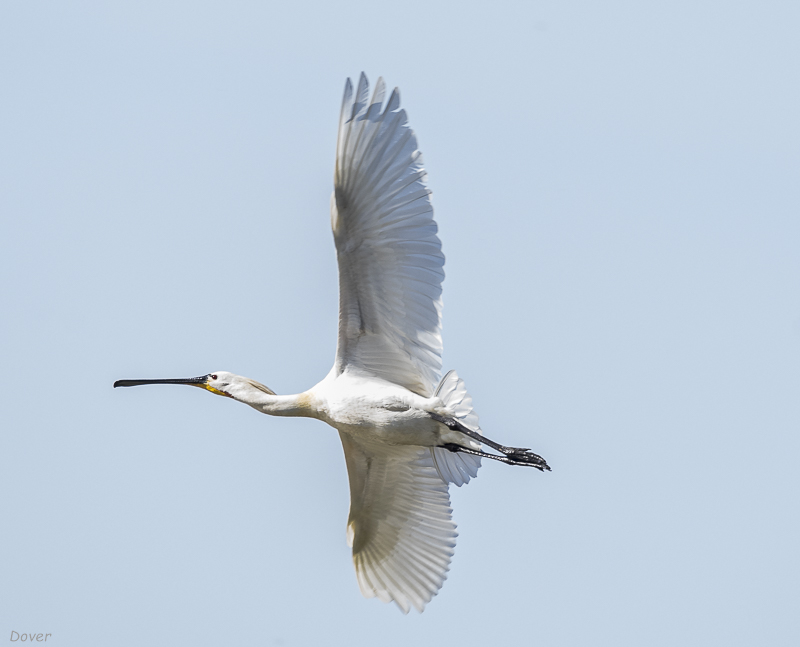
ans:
(196, 381)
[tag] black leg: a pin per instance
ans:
(512, 455)
(527, 459)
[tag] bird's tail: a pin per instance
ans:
(453, 467)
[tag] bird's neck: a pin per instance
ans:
(287, 405)
(276, 405)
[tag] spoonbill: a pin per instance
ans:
(406, 435)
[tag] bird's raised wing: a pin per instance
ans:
(400, 525)
(390, 258)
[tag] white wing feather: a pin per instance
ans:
(400, 525)
(390, 258)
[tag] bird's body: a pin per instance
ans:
(374, 409)
(406, 435)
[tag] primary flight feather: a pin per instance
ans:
(406, 435)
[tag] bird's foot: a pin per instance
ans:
(512, 450)
(520, 456)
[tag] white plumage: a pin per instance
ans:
(406, 435)
(400, 526)
(390, 258)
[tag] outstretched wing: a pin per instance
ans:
(400, 525)
(390, 258)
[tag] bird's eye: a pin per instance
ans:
(213, 377)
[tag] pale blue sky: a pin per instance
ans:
(617, 189)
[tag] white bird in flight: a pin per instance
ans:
(406, 435)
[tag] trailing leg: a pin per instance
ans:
(512, 455)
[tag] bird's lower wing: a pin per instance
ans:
(400, 525)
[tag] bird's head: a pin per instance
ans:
(219, 382)
(215, 382)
